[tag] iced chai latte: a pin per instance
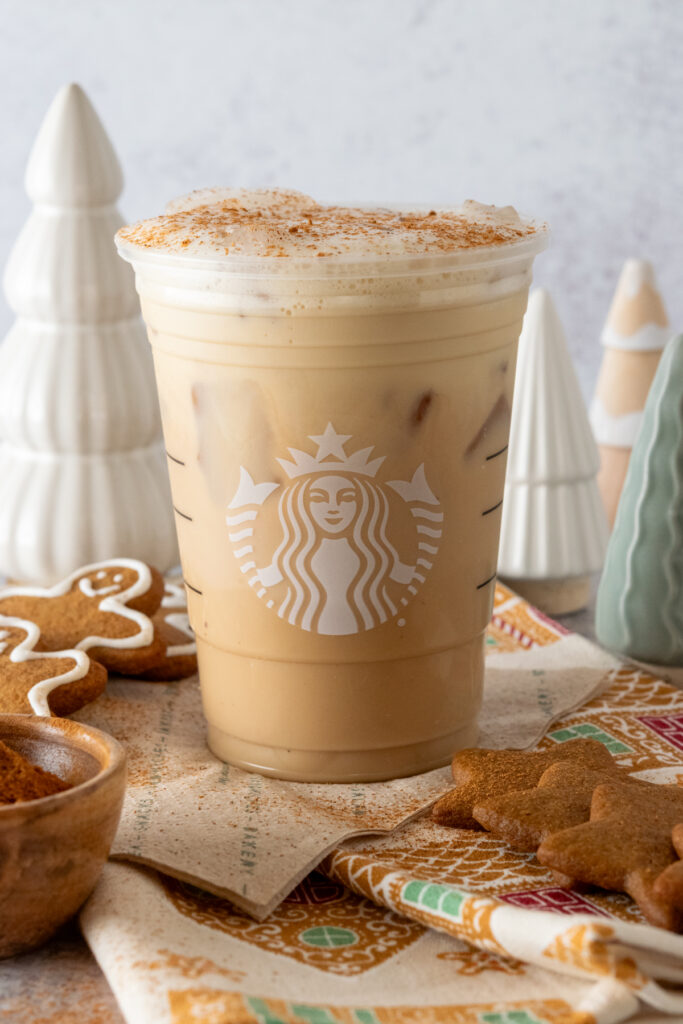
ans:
(335, 388)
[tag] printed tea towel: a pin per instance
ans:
(252, 839)
(175, 955)
(427, 924)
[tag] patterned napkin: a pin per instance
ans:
(424, 926)
(252, 839)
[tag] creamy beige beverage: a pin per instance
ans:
(335, 389)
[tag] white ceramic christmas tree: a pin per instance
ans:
(553, 530)
(82, 471)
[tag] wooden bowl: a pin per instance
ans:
(53, 849)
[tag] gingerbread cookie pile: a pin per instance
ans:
(58, 644)
(584, 817)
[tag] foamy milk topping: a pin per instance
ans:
(275, 251)
(273, 223)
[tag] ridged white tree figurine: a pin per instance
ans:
(554, 530)
(82, 471)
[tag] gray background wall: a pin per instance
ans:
(571, 111)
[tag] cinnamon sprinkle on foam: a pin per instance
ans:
(277, 223)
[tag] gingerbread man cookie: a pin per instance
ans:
(103, 609)
(43, 682)
(172, 624)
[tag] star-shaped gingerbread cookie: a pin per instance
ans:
(669, 885)
(172, 624)
(561, 799)
(481, 774)
(43, 682)
(625, 846)
(103, 609)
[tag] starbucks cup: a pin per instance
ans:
(336, 431)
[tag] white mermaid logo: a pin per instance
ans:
(335, 570)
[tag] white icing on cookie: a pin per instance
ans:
(86, 587)
(111, 602)
(175, 595)
(181, 622)
(24, 651)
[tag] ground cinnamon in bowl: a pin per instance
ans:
(20, 780)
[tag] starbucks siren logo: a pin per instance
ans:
(335, 569)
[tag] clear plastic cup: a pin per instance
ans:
(336, 433)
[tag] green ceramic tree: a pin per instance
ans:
(640, 600)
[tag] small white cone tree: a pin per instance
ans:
(553, 530)
(83, 475)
